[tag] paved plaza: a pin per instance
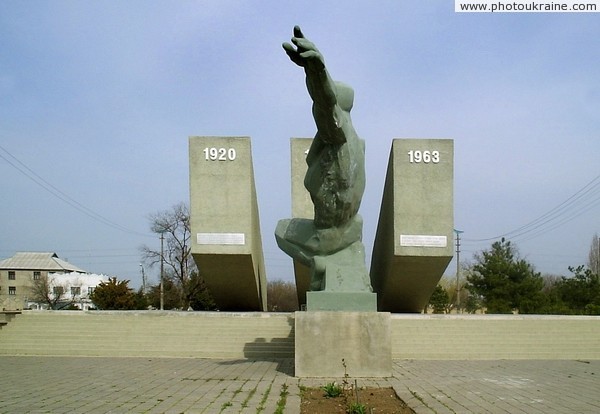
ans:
(169, 385)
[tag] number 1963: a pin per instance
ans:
(423, 156)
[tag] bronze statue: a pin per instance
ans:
(335, 177)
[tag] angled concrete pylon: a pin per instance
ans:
(414, 240)
(224, 221)
(302, 207)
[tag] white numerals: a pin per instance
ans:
(219, 154)
(423, 156)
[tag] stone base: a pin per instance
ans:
(341, 301)
(335, 344)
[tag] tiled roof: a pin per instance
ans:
(38, 261)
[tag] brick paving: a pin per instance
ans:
(31, 384)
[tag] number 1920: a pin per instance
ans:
(219, 154)
(415, 157)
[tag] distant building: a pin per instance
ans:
(19, 273)
(72, 288)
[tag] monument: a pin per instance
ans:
(302, 207)
(414, 240)
(413, 244)
(330, 244)
(224, 222)
(341, 309)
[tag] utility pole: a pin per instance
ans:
(143, 279)
(162, 268)
(597, 256)
(458, 232)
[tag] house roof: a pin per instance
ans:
(38, 261)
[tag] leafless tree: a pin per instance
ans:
(174, 226)
(281, 296)
(45, 290)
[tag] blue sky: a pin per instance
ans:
(99, 98)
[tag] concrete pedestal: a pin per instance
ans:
(326, 341)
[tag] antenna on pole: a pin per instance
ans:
(143, 279)
(458, 233)
(162, 268)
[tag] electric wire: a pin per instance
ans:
(579, 203)
(555, 226)
(47, 186)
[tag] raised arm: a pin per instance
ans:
(328, 115)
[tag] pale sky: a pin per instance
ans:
(97, 100)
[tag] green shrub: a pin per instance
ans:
(357, 408)
(332, 390)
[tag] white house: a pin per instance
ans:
(74, 287)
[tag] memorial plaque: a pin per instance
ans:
(221, 238)
(423, 241)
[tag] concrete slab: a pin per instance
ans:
(224, 221)
(302, 206)
(414, 240)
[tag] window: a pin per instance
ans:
(90, 290)
(75, 290)
(11, 275)
(58, 290)
(37, 275)
(12, 290)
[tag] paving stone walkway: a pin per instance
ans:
(141, 385)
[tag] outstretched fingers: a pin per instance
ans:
(304, 50)
(293, 54)
(303, 44)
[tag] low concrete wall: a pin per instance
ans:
(253, 335)
(268, 335)
(479, 337)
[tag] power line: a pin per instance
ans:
(47, 186)
(579, 203)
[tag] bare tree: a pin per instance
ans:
(174, 226)
(45, 290)
(594, 256)
(281, 296)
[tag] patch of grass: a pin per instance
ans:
(236, 392)
(261, 405)
(250, 395)
(357, 408)
(282, 399)
(332, 390)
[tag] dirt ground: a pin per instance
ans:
(375, 400)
